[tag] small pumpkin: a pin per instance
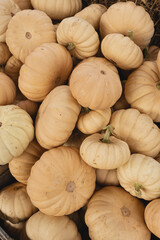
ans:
(7, 90)
(78, 36)
(112, 213)
(65, 179)
(15, 204)
(4, 53)
(37, 29)
(12, 68)
(107, 177)
(23, 4)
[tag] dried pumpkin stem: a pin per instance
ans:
(137, 188)
(109, 130)
(70, 46)
(130, 34)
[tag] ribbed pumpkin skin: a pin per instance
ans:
(79, 32)
(112, 213)
(100, 76)
(4, 53)
(107, 177)
(16, 132)
(58, 9)
(15, 204)
(58, 228)
(65, 179)
(38, 76)
(12, 68)
(23, 4)
(7, 90)
(56, 117)
(122, 51)
(152, 216)
(37, 29)
(138, 130)
(124, 16)
(142, 90)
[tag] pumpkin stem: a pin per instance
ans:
(109, 129)
(138, 187)
(70, 46)
(130, 34)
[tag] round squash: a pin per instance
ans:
(78, 36)
(15, 204)
(23, 4)
(107, 177)
(12, 68)
(140, 176)
(65, 179)
(138, 130)
(7, 90)
(95, 83)
(38, 76)
(4, 53)
(112, 213)
(16, 132)
(58, 9)
(37, 28)
(122, 17)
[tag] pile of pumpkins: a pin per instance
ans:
(78, 135)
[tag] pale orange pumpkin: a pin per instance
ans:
(7, 90)
(4, 53)
(107, 177)
(23, 4)
(12, 68)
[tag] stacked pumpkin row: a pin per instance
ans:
(67, 121)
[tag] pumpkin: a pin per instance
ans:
(112, 213)
(92, 14)
(140, 176)
(65, 179)
(20, 167)
(138, 130)
(29, 106)
(76, 139)
(122, 17)
(23, 4)
(151, 52)
(16, 132)
(38, 76)
(107, 177)
(158, 60)
(103, 151)
(7, 9)
(15, 204)
(37, 28)
(122, 51)
(4, 53)
(58, 9)
(92, 121)
(95, 83)
(12, 68)
(57, 228)
(56, 117)
(142, 90)
(151, 216)
(7, 90)
(78, 36)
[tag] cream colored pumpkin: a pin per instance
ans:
(15, 204)
(20, 167)
(7, 90)
(140, 176)
(58, 9)
(22, 39)
(142, 90)
(12, 68)
(93, 121)
(107, 177)
(122, 17)
(158, 60)
(65, 179)
(39, 76)
(23, 4)
(16, 132)
(112, 213)
(138, 130)
(122, 51)
(4, 53)
(95, 83)
(78, 36)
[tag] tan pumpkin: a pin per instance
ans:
(37, 28)
(23, 4)
(20, 167)
(58, 9)
(4, 53)
(12, 68)
(151, 52)
(152, 216)
(29, 106)
(95, 83)
(112, 213)
(76, 139)
(78, 36)
(122, 51)
(103, 151)
(138, 130)
(8, 9)
(38, 76)
(142, 90)
(57, 228)
(158, 60)
(92, 14)
(91, 121)
(122, 17)
(65, 179)
(16, 132)
(140, 176)
(56, 117)
(107, 177)
(15, 204)
(7, 90)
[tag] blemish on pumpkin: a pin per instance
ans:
(28, 35)
(70, 186)
(17, 188)
(125, 211)
(0, 124)
(12, 14)
(103, 72)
